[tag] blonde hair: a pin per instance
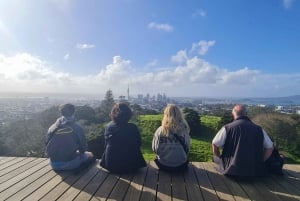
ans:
(173, 121)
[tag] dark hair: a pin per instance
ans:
(120, 113)
(67, 110)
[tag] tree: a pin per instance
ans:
(106, 105)
(281, 128)
(85, 113)
(193, 119)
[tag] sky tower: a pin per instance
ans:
(128, 93)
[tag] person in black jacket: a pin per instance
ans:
(245, 146)
(122, 152)
(66, 143)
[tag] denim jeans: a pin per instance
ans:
(70, 165)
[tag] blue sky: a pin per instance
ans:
(180, 48)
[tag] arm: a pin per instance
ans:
(268, 145)
(219, 141)
(268, 153)
(216, 151)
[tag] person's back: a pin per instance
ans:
(66, 143)
(243, 152)
(245, 146)
(171, 141)
(122, 152)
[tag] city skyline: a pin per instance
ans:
(182, 49)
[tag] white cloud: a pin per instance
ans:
(199, 12)
(66, 57)
(152, 63)
(202, 46)
(195, 77)
(84, 46)
(163, 27)
(180, 57)
(287, 3)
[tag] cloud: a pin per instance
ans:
(287, 3)
(24, 72)
(199, 12)
(66, 57)
(162, 27)
(180, 57)
(84, 46)
(202, 46)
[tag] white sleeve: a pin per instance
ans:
(267, 141)
(219, 139)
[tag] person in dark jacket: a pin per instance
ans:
(122, 152)
(66, 143)
(245, 146)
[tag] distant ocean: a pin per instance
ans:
(283, 101)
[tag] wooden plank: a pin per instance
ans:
(290, 188)
(22, 193)
(5, 159)
(150, 184)
(293, 167)
(136, 185)
(11, 162)
(106, 187)
(23, 175)
(22, 168)
(63, 186)
(92, 187)
(121, 188)
(44, 189)
(278, 190)
(178, 187)
(217, 180)
(75, 188)
(15, 166)
(23, 183)
(250, 189)
(264, 190)
(164, 190)
(237, 192)
(192, 187)
(207, 190)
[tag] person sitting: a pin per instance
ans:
(171, 141)
(66, 143)
(122, 153)
(245, 146)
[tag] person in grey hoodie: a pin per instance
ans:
(171, 141)
(66, 144)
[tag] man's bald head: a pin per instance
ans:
(239, 110)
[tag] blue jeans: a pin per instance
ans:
(70, 165)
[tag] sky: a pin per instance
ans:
(183, 48)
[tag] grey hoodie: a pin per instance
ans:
(168, 149)
(64, 139)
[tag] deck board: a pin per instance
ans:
(24, 178)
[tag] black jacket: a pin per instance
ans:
(122, 152)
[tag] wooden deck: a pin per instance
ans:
(33, 179)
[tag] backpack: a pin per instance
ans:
(275, 163)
